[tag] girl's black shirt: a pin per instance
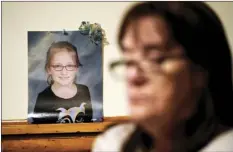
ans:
(50, 108)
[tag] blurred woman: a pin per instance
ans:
(177, 65)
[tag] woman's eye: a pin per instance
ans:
(158, 60)
(129, 63)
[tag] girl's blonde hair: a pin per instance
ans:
(70, 48)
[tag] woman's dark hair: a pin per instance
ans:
(198, 29)
(60, 45)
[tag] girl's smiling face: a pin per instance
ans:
(62, 67)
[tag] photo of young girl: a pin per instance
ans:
(63, 99)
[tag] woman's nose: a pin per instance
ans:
(135, 76)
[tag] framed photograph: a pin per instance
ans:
(65, 77)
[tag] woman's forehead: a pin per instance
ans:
(145, 31)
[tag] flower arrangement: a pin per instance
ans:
(94, 31)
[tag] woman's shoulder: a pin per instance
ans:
(222, 142)
(113, 138)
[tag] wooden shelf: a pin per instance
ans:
(20, 127)
(18, 135)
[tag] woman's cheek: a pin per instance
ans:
(178, 74)
(174, 67)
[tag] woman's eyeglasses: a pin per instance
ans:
(67, 67)
(119, 68)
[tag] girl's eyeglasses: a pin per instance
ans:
(67, 67)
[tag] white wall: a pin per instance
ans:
(20, 17)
